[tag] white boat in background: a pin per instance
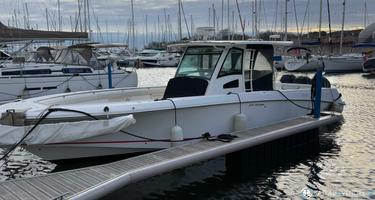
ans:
(111, 52)
(300, 59)
(74, 68)
(305, 62)
(152, 58)
(279, 61)
(343, 63)
(219, 87)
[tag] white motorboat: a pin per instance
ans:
(219, 87)
(73, 69)
(152, 58)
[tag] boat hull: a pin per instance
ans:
(195, 116)
(333, 64)
(34, 86)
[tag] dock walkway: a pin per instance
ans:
(97, 181)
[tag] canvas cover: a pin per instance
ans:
(9, 34)
(63, 132)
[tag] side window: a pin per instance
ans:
(263, 65)
(262, 74)
(233, 63)
(76, 70)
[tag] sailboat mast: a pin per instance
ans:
(320, 19)
(252, 18)
(329, 25)
(186, 23)
(214, 17)
(295, 16)
(192, 25)
(222, 14)
(59, 14)
(228, 21)
(209, 16)
(342, 26)
(88, 18)
(146, 29)
(365, 17)
(84, 16)
(133, 31)
(179, 20)
(240, 17)
(286, 21)
(47, 19)
(256, 18)
(27, 16)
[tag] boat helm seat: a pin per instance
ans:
(185, 87)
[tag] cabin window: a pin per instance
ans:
(199, 62)
(76, 70)
(26, 72)
(262, 73)
(233, 63)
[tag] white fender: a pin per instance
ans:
(176, 135)
(239, 122)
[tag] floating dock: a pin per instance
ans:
(97, 181)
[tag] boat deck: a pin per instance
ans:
(96, 181)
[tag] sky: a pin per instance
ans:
(114, 15)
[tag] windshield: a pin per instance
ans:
(199, 62)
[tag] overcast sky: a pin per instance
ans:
(114, 14)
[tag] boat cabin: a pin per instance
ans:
(220, 67)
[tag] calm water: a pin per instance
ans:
(343, 168)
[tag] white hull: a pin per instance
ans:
(333, 64)
(33, 86)
(196, 116)
(295, 64)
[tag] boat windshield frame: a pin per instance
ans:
(197, 71)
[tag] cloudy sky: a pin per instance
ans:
(113, 15)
